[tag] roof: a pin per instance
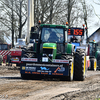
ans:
(92, 42)
(52, 25)
(94, 32)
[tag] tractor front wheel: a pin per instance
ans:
(71, 66)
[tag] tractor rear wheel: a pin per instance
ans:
(98, 63)
(93, 64)
(79, 65)
(8, 58)
(1, 59)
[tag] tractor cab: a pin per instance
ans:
(94, 55)
(5, 46)
(52, 38)
(53, 33)
(75, 36)
(93, 48)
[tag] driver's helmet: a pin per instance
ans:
(50, 30)
(53, 34)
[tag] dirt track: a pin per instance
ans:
(12, 87)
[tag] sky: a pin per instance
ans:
(96, 9)
(91, 26)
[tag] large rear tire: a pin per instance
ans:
(93, 64)
(1, 59)
(79, 65)
(98, 63)
(8, 59)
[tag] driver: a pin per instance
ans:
(53, 37)
(73, 39)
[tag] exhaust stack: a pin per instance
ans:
(30, 17)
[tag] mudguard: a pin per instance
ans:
(69, 48)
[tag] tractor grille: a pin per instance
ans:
(60, 48)
(48, 51)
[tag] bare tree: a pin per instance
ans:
(84, 6)
(98, 3)
(69, 10)
(87, 14)
(13, 16)
(46, 10)
(21, 9)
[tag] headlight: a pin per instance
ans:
(44, 54)
(51, 55)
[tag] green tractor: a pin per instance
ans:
(94, 56)
(52, 55)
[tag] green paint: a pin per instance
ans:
(92, 42)
(35, 46)
(51, 46)
(97, 52)
(68, 48)
(49, 25)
